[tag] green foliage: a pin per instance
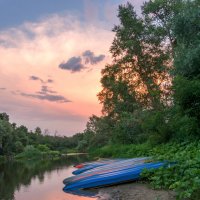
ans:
(122, 151)
(187, 96)
(186, 30)
(43, 148)
(19, 147)
(128, 129)
(15, 140)
(54, 154)
(183, 176)
(98, 132)
(4, 117)
(184, 127)
(6, 136)
(82, 146)
(157, 126)
(186, 83)
(30, 152)
(41, 152)
(38, 131)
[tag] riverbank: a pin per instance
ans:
(134, 191)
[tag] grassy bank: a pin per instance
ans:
(184, 177)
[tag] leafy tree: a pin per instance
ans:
(186, 64)
(4, 116)
(38, 131)
(128, 130)
(21, 134)
(6, 137)
(99, 131)
(159, 17)
(139, 79)
(142, 50)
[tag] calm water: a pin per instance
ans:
(39, 180)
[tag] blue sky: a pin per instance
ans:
(52, 53)
(16, 12)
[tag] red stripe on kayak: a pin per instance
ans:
(79, 166)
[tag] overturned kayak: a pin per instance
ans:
(98, 162)
(88, 166)
(120, 165)
(112, 177)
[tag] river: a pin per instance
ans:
(39, 180)
(42, 180)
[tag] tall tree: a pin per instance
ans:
(141, 59)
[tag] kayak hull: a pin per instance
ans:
(117, 166)
(127, 174)
(88, 166)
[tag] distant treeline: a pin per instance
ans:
(17, 139)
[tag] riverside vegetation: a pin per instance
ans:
(150, 97)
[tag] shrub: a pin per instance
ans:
(30, 152)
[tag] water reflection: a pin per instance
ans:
(39, 180)
(84, 193)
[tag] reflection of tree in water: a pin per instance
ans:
(13, 175)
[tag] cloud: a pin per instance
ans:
(91, 58)
(44, 94)
(74, 64)
(2, 88)
(48, 97)
(45, 89)
(36, 78)
(50, 80)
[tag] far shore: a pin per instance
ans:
(74, 154)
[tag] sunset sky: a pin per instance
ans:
(52, 53)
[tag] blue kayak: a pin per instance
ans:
(120, 165)
(115, 177)
(92, 165)
(102, 160)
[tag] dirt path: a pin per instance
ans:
(134, 191)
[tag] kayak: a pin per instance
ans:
(120, 165)
(88, 166)
(112, 177)
(96, 163)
